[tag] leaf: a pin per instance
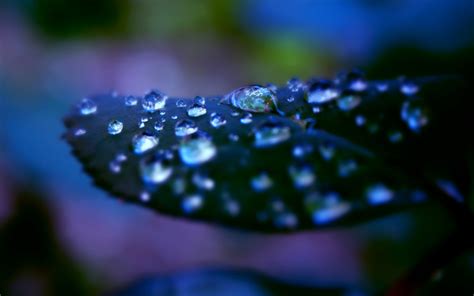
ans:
(301, 156)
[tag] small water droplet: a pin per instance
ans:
(192, 203)
(179, 186)
(253, 98)
(295, 85)
(197, 149)
(316, 110)
(395, 136)
(115, 127)
(196, 110)
(217, 120)
(322, 91)
(347, 167)
(409, 88)
(203, 182)
(285, 220)
(155, 169)
(144, 142)
(232, 207)
(145, 196)
(79, 132)
(200, 100)
(261, 182)
(235, 113)
(131, 101)
(115, 166)
(87, 107)
(301, 151)
(154, 101)
(326, 151)
(360, 120)
(270, 133)
(290, 99)
(302, 175)
(246, 118)
(185, 127)
(348, 102)
(379, 194)
(181, 103)
(414, 114)
(159, 126)
(382, 87)
(162, 112)
(358, 85)
(327, 208)
(233, 137)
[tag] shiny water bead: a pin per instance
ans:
(285, 220)
(235, 113)
(121, 157)
(197, 149)
(379, 194)
(115, 166)
(360, 120)
(327, 208)
(174, 117)
(185, 127)
(144, 142)
(200, 100)
(414, 115)
(261, 182)
(154, 101)
(131, 101)
(347, 167)
(217, 120)
(196, 110)
(192, 203)
(295, 85)
(316, 110)
(155, 169)
(290, 99)
(408, 88)
(382, 87)
(203, 182)
(159, 126)
(395, 136)
(327, 151)
(271, 87)
(302, 150)
(322, 91)
(87, 107)
(178, 186)
(162, 112)
(181, 103)
(302, 175)
(232, 207)
(253, 98)
(233, 137)
(246, 118)
(79, 132)
(348, 102)
(270, 133)
(358, 84)
(144, 196)
(115, 127)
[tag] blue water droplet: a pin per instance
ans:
(360, 120)
(348, 102)
(159, 126)
(154, 101)
(197, 149)
(414, 114)
(261, 182)
(252, 98)
(395, 136)
(217, 120)
(200, 100)
(203, 182)
(233, 137)
(409, 88)
(302, 150)
(322, 91)
(131, 101)
(246, 118)
(185, 127)
(270, 133)
(302, 175)
(295, 85)
(181, 103)
(285, 220)
(192, 203)
(144, 142)
(347, 167)
(379, 194)
(326, 208)
(196, 110)
(87, 107)
(155, 169)
(115, 127)
(79, 132)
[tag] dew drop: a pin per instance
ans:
(379, 194)
(115, 166)
(232, 207)
(174, 117)
(285, 220)
(395, 136)
(327, 208)
(181, 103)
(154, 101)
(414, 115)
(200, 100)
(79, 132)
(408, 88)
(301, 151)
(159, 126)
(155, 169)
(295, 85)
(144, 142)
(131, 101)
(326, 151)
(185, 127)
(253, 98)
(360, 120)
(261, 182)
(302, 175)
(145, 196)
(197, 149)
(382, 87)
(115, 127)
(217, 120)
(192, 203)
(290, 99)
(270, 133)
(246, 118)
(203, 182)
(196, 110)
(347, 167)
(233, 137)
(348, 102)
(322, 91)
(87, 107)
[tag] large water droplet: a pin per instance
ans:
(87, 107)
(348, 102)
(414, 115)
(192, 203)
(197, 149)
(196, 110)
(155, 169)
(144, 142)
(217, 120)
(185, 127)
(302, 175)
(253, 98)
(322, 91)
(270, 133)
(379, 194)
(154, 101)
(115, 127)
(261, 182)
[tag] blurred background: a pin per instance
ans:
(59, 235)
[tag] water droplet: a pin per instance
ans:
(358, 85)
(217, 120)
(285, 220)
(185, 127)
(290, 99)
(253, 98)
(382, 87)
(233, 137)
(232, 207)
(295, 85)
(79, 132)
(302, 175)
(197, 149)
(192, 203)
(408, 88)
(327, 208)
(115, 166)
(203, 182)
(196, 110)
(162, 112)
(181, 103)
(301, 151)
(348, 102)
(159, 126)
(261, 182)
(144, 142)
(316, 110)
(87, 107)
(322, 91)
(155, 169)
(121, 157)
(347, 167)
(174, 117)
(360, 120)
(115, 127)
(144, 196)
(154, 101)
(235, 113)
(379, 194)
(414, 115)
(326, 151)
(270, 133)
(131, 101)
(246, 118)
(395, 136)
(200, 100)
(179, 186)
